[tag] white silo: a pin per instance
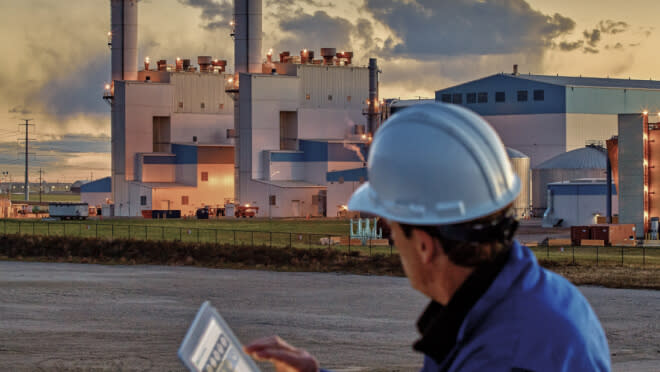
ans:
(124, 39)
(521, 166)
(587, 162)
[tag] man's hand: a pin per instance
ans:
(285, 357)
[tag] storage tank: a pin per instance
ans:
(587, 162)
(521, 166)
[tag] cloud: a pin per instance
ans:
(216, 14)
(592, 38)
(426, 29)
(609, 26)
(589, 50)
(317, 30)
(566, 46)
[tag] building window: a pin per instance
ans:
(307, 97)
(185, 200)
(457, 98)
(272, 200)
(522, 96)
(341, 180)
(500, 97)
(482, 97)
(143, 200)
(329, 97)
(446, 98)
(205, 176)
(539, 95)
(471, 98)
(348, 98)
(202, 105)
(180, 105)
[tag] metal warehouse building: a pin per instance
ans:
(544, 116)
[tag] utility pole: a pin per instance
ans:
(27, 156)
(40, 184)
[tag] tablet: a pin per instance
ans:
(210, 345)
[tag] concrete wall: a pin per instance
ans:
(338, 196)
(631, 171)
(580, 210)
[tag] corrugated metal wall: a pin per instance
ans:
(200, 94)
(631, 171)
(333, 86)
(542, 177)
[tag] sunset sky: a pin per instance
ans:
(55, 58)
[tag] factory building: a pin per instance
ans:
(578, 202)
(97, 193)
(268, 135)
(544, 116)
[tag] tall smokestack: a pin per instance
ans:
(372, 115)
(247, 38)
(124, 36)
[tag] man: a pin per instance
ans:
(440, 176)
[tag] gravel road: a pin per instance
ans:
(69, 317)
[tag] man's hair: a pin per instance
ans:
(476, 242)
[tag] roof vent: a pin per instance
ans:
(515, 70)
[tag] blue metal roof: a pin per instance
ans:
(579, 81)
(100, 185)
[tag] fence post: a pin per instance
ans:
(216, 236)
(309, 242)
(596, 255)
(621, 255)
(97, 230)
(271, 239)
(370, 247)
(33, 228)
(47, 229)
(349, 244)
(64, 233)
(180, 234)
(234, 239)
(197, 235)
(19, 227)
(129, 231)
(112, 234)
(643, 255)
(146, 232)
(290, 240)
(79, 229)
(573, 255)
(252, 237)
(548, 249)
(162, 233)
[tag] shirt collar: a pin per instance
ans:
(439, 325)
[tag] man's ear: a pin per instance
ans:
(426, 246)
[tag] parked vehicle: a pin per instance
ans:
(69, 211)
(246, 211)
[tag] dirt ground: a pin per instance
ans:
(70, 317)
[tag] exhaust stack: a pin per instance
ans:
(247, 36)
(124, 39)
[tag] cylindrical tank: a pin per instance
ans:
(586, 162)
(247, 38)
(124, 26)
(521, 166)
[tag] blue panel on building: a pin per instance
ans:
(160, 160)
(314, 150)
(572, 189)
(101, 185)
(287, 157)
(349, 175)
(507, 95)
(185, 154)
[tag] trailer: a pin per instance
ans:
(69, 211)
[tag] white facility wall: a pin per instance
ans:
(320, 82)
(583, 128)
(542, 177)
(285, 198)
(158, 173)
(328, 123)
(120, 193)
(136, 190)
(143, 102)
(95, 199)
(580, 210)
(540, 137)
(270, 95)
(287, 171)
(316, 172)
(186, 174)
(338, 195)
(209, 129)
(344, 165)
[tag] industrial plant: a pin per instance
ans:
(287, 133)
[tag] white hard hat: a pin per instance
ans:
(436, 164)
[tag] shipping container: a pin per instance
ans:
(578, 233)
(614, 233)
(68, 211)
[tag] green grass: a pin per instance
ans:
(47, 197)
